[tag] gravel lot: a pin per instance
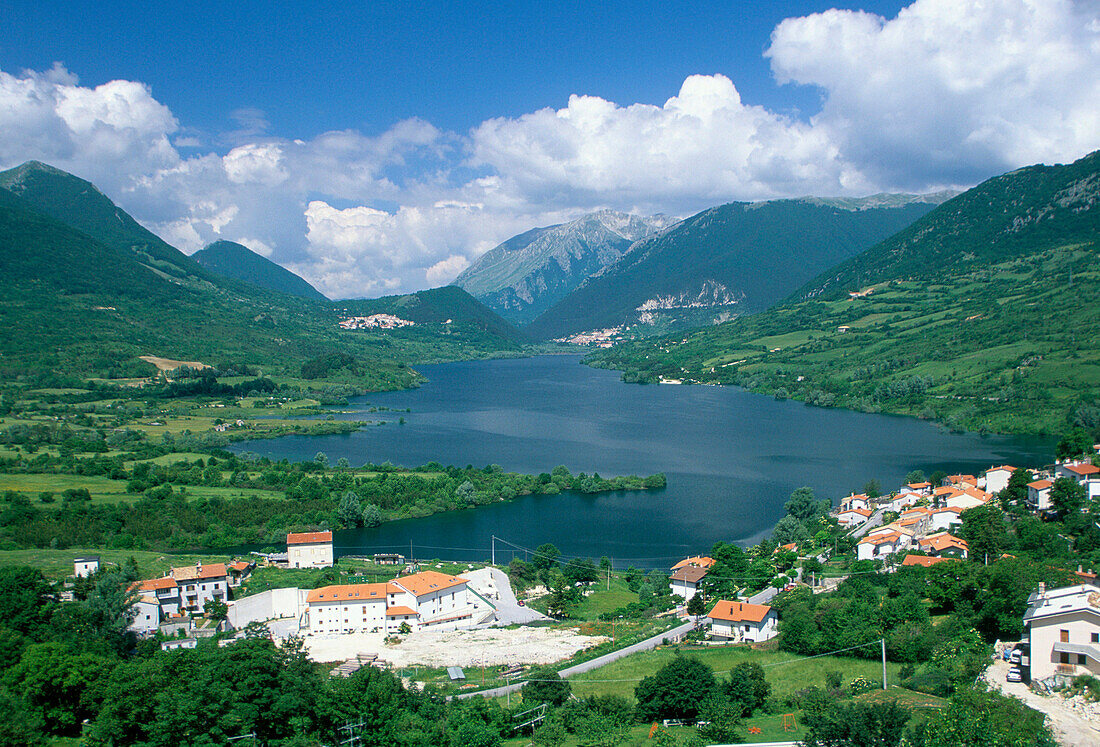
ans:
(1071, 727)
(462, 648)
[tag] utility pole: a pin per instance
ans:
(493, 539)
(883, 642)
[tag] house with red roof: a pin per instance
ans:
(1038, 495)
(1085, 474)
(996, 478)
(309, 550)
(853, 517)
(423, 600)
(740, 621)
(944, 545)
(923, 561)
(684, 582)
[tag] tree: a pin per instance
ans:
(545, 685)
(466, 493)
(215, 609)
(321, 458)
(1074, 444)
(857, 724)
(803, 506)
(24, 599)
(976, 716)
(788, 530)
(983, 528)
(1067, 497)
(350, 511)
(676, 690)
(916, 475)
(545, 557)
(696, 606)
(372, 515)
(873, 488)
(747, 687)
(1013, 497)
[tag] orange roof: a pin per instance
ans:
(426, 582)
(791, 546)
(738, 611)
(351, 593)
(960, 478)
(308, 538)
(909, 512)
(699, 561)
(395, 611)
(923, 560)
(196, 573)
(154, 584)
(1003, 466)
(1040, 484)
(946, 491)
(952, 509)
(882, 538)
(240, 565)
(919, 485)
(860, 511)
(1083, 469)
(943, 541)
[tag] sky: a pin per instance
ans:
(381, 147)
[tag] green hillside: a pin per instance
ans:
(76, 305)
(728, 260)
(233, 260)
(984, 315)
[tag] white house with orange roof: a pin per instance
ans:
(921, 488)
(962, 482)
(309, 550)
(968, 498)
(146, 615)
(996, 478)
(422, 600)
(1038, 494)
(853, 517)
(944, 519)
(164, 590)
(740, 621)
(944, 545)
(685, 581)
(1085, 474)
(882, 544)
(855, 500)
(696, 561)
(199, 584)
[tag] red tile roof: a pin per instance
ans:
(195, 573)
(738, 611)
(399, 610)
(240, 566)
(943, 541)
(154, 584)
(924, 560)
(1040, 484)
(308, 538)
(701, 561)
(351, 593)
(1083, 469)
(426, 582)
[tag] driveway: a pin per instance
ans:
(508, 610)
(1070, 729)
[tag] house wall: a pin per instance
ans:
(313, 555)
(82, 570)
(146, 618)
(347, 616)
(196, 593)
(683, 588)
(1039, 499)
(996, 480)
(1045, 632)
(750, 632)
(268, 605)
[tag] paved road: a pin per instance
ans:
(872, 522)
(508, 610)
(586, 666)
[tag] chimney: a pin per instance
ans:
(1042, 590)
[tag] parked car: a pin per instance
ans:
(1014, 675)
(1014, 657)
(521, 603)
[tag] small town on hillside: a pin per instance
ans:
(459, 617)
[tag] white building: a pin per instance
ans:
(882, 544)
(1038, 495)
(853, 517)
(945, 519)
(309, 549)
(85, 566)
(199, 584)
(684, 582)
(996, 478)
(1085, 474)
(423, 600)
(146, 618)
(739, 621)
(1063, 627)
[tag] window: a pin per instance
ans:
(1095, 638)
(1082, 659)
(1063, 658)
(1063, 636)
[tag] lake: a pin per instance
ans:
(732, 458)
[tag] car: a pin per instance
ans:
(1014, 657)
(1014, 675)
(521, 603)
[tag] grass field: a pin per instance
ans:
(58, 564)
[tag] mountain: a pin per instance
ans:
(984, 314)
(233, 260)
(525, 275)
(79, 204)
(85, 292)
(728, 260)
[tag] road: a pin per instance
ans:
(872, 522)
(587, 666)
(508, 610)
(1070, 729)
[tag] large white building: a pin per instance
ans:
(423, 600)
(1063, 628)
(309, 549)
(739, 621)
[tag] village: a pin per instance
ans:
(427, 616)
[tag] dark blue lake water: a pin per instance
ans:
(732, 458)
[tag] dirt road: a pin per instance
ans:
(1069, 727)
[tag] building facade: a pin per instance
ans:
(739, 621)
(309, 550)
(1063, 628)
(422, 600)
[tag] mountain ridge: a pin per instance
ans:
(233, 260)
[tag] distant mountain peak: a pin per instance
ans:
(237, 261)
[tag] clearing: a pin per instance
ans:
(167, 364)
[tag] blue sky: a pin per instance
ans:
(381, 147)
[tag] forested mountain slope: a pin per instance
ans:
(233, 260)
(984, 314)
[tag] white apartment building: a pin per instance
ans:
(422, 600)
(1063, 627)
(309, 549)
